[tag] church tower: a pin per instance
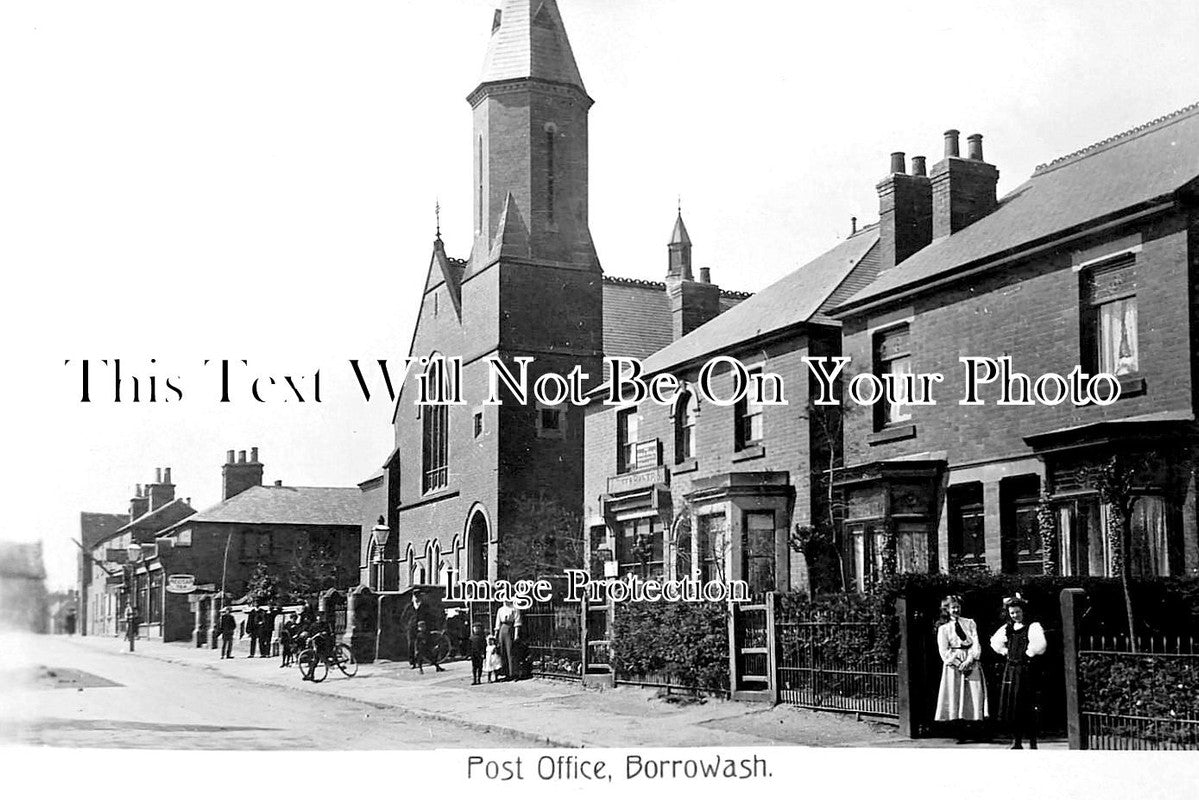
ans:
(530, 141)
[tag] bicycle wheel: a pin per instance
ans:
(312, 666)
(343, 656)
(442, 647)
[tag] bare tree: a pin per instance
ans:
(1114, 480)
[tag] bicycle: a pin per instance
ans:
(314, 665)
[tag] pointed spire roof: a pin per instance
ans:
(528, 40)
(679, 234)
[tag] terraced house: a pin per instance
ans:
(1092, 262)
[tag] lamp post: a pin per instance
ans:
(381, 534)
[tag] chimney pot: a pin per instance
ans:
(166, 474)
(241, 456)
(137, 492)
(974, 146)
(158, 474)
(951, 143)
(254, 455)
(897, 163)
(918, 166)
(278, 482)
(853, 225)
(705, 274)
(229, 457)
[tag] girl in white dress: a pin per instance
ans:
(492, 662)
(963, 693)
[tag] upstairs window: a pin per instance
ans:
(551, 422)
(684, 427)
(1109, 317)
(747, 415)
(626, 440)
(435, 432)
(892, 356)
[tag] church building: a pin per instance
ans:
(466, 482)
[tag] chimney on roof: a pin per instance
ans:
(139, 504)
(853, 225)
(692, 303)
(963, 188)
(905, 209)
(239, 476)
(162, 491)
(278, 484)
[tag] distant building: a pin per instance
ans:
(63, 612)
(23, 599)
(94, 528)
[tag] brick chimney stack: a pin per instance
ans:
(139, 504)
(905, 211)
(963, 188)
(237, 476)
(162, 491)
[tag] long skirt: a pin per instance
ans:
(962, 696)
(1018, 693)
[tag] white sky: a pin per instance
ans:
(257, 179)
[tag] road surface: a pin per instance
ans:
(54, 690)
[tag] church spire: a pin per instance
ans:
(528, 40)
(679, 249)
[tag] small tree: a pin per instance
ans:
(542, 539)
(1114, 482)
(315, 569)
(263, 587)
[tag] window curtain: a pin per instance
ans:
(1118, 337)
(911, 548)
(1150, 552)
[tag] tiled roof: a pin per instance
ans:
(794, 299)
(287, 505)
(530, 42)
(96, 527)
(157, 517)
(21, 560)
(1141, 165)
(636, 317)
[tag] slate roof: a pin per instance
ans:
(95, 527)
(637, 320)
(151, 518)
(1146, 163)
(22, 560)
(286, 505)
(795, 298)
(530, 42)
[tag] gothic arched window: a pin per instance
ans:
(685, 409)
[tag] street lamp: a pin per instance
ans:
(381, 534)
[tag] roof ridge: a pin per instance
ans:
(635, 282)
(1119, 138)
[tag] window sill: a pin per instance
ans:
(749, 453)
(1131, 385)
(432, 497)
(686, 465)
(895, 433)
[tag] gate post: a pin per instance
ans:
(733, 681)
(1071, 605)
(772, 654)
(908, 694)
(361, 623)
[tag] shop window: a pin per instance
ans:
(1109, 317)
(967, 541)
(712, 536)
(1020, 531)
(747, 415)
(154, 616)
(892, 356)
(684, 427)
(639, 548)
(757, 551)
(626, 440)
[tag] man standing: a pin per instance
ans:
(266, 628)
(418, 613)
(130, 624)
(252, 629)
(507, 634)
(227, 626)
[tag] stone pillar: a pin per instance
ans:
(362, 623)
(201, 610)
(1071, 602)
(214, 622)
(993, 526)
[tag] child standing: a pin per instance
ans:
(493, 662)
(420, 640)
(478, 652)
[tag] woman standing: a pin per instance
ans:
(1019, 642)
(963, 694)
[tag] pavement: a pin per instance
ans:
(548, 712)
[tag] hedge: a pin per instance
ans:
(687, 644)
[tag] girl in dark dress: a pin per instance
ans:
(1020, 643)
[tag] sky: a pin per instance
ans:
(257, 180)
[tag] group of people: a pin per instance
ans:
(962, 697)
(498, 653)
(273, 634)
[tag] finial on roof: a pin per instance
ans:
(437, 215)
